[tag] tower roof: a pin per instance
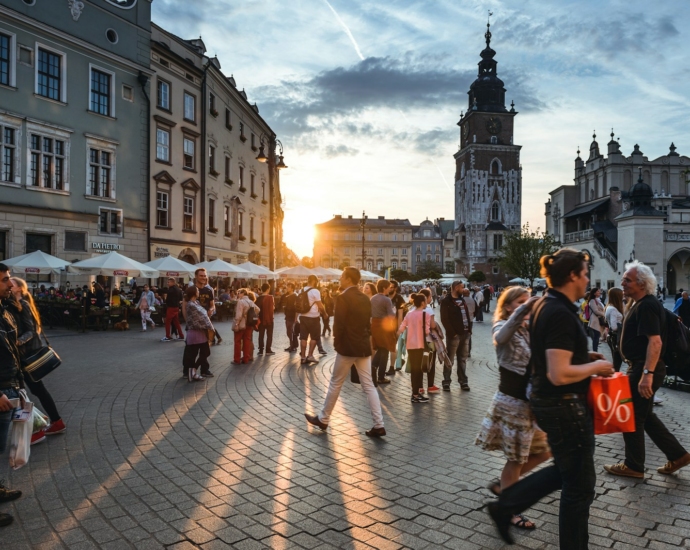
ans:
(487, 92)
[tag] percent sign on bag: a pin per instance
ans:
(611, 401)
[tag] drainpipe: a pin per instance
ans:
(143, 81)
(204, 153)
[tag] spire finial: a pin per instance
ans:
(578, 150)
(594, 135)
(612, 134)
(488, 29)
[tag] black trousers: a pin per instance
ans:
(43, 395)
(196, 357)
(265, 330)
(379, 363)
(414, 356)
(648, 422)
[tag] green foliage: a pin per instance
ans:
(401, 275)
(427, 270)
(522, 251)
(476, 277)
(449, 267)
(307, 262)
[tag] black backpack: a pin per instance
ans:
(677, 339)
(252, 318)
(302, 304)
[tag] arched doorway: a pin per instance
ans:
(189, 256)
(678, 271)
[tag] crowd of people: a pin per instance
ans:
(538, 413)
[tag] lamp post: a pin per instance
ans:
(363, 224)
(273, 168)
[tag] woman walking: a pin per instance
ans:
(596, 317)
(614, 320)
(418, 324)
(509, 425)
(29, 329)
(195, 359)
(244, 348)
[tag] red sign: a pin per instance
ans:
(172, 273)
(223, 274)
(120, 273)
(32, 270)
(263, 277)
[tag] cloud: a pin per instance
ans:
(340, 151)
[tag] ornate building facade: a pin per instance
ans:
(488, 175)
(617, 221)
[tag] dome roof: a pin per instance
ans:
(487, 92)
(641, 192)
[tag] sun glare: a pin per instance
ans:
(298, 230)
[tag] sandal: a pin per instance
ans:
(522, 522)
(495, 487)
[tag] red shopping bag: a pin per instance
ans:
(611, 402)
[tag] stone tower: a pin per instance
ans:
(488, 180)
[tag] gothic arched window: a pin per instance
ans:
(495, 167)
(495, 211)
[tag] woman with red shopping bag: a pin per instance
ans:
(561, 369)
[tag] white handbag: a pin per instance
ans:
(20, 440)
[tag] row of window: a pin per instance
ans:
(369, 236)
(437, 258)
(498, 242)
(428, 247)
(370, 251)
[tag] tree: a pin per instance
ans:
(476, 277)
(427, 270)
(307, 262)
(401, 275)
(450, 267)
(522, 251)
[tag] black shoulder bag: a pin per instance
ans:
(41, 362)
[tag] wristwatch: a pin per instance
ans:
(647, 371)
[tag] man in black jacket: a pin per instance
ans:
(457, 322)
(351, 340)
(10, 379)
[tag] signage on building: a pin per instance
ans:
(161, 252)
(124, 4)
(104, 248)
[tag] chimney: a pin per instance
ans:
(349, 217)
(382, 217)
(338, 217)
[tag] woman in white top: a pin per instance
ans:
(596, 317)
(431, 387)
(614, 319)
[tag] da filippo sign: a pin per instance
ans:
(104, 248)
(124, 4)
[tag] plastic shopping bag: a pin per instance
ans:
(20, 440)
(39, 420)
(611, 402)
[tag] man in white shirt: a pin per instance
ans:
(479, 299)
(310, 322)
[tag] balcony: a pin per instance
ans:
(606, 254)
(579, 236)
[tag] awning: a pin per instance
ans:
(588, 208)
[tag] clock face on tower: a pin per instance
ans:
(493, 125)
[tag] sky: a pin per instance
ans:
(365, 94)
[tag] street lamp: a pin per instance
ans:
(363, 224)
(261, 157)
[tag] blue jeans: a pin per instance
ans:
(6, 419)
(568, 425)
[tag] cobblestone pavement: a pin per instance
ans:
(151, 461)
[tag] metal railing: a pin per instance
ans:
(606, 254)
(578, 236)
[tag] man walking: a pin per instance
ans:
(172, 311)
(10, 381)
(383, 331)
(351, 333)
(642, 343)
(561, 370)
(290, 317)
(487, 298)
(267, 309)
(479, 300)
(310, 322)
(457, 322)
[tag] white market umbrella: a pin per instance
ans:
(172, 267)
(113, 264)
(297, 272)
(324, 273)
(36, 263)
(258, 271)
(335, 271)
(369, 276)
(518, 281)
(221, 268)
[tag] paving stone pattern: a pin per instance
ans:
(152, 461)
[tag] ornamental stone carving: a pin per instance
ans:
(75, 8)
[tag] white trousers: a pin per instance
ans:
(341, 372)
(145, 318)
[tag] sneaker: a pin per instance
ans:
(419, 399)
(622, 470)
(56, 427)
(465, 387)
(166, 339)
(311, 359)
(390, 371)
(180, 338)
(260, 352)
(37, 437)
(5, 520)
(270, 353)
(434, 389)
(674, 465)
(6, 495)
(446, 387)
(290, 350)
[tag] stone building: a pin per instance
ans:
(427, 245)
(488, 176)
(616, 221)
(387, 243)
(73, 120)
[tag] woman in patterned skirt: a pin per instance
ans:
(509, 425)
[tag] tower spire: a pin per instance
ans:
(487, 35)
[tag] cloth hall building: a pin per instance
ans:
(622, 208)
